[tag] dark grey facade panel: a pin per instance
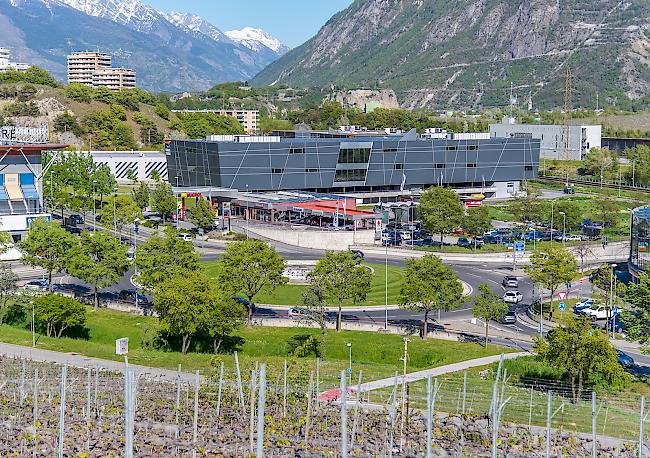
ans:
(313, 164)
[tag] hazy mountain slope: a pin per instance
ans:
(465, 53)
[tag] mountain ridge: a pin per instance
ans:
(438, 54)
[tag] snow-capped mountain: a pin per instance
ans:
(254, 38)
(131, 13)
(165, 56)
(194, 23)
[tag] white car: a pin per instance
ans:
(572, 237)
(186, 237)
(601, 312)
(513, 297)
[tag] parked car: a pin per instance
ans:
(624, 359)
(510, 281)
(583, 304)
(392, 241)
(573, 237)
(39, 285)
(129, 296)
(186, 237)
(72, 230)
(464, 242)
(478, 241)
(600, 312)
(513, 297)
(510, 317)
(299, 312)
(78, 219)
(569, 190)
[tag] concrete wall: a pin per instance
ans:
(320, 240)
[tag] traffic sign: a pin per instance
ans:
(561, 306)
(349, 371)
(562, 294)
(520, 247)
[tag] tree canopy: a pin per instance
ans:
(120, 211)
(250, 267)
(55, 314)
(440, 210)
(202, 215)
(488, 306)
(430, 285)
(341, 277)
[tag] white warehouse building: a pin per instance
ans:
(142, 163)
(581, 138)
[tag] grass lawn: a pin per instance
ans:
(292, 294)
(376, 354)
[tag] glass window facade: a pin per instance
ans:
(350, 175)
(354, 156)
(640, 239)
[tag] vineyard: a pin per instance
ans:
(49, 410)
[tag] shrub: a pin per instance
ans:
(55, 314)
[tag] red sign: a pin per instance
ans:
(473, 203)
(562, 294)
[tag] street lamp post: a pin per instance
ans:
(552, 218)
(115, 213)
(94, 208)
(176, 194)
(247, 211)
(350, 358)
(611, 300)
(563, 229)
(33, 326)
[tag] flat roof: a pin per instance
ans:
(31, 148)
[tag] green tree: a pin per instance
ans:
(583, 352)
(163, 200)
(637, 320)
(161, 258)
(141, 195)
(430, 285)
(200, 125)
(100, 260)
(440, 210)
(119, 211)
(250, 267)
(488, 306)
(182, 303)
(341, 277)
(79, 92)
(202, 215)
(639, 156)
(605, 211)
(55, 314)
(48, 246)
(551, 266)
(477, 221)
(162, 111)
(569, 208)
(223, 316)
(66, 122)
(601, 162)
(104, 182)
(122, 137)
(132, 175)
(315, 302)
(8, 286)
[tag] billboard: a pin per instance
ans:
(10, 135)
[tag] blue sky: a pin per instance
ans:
(292, 21)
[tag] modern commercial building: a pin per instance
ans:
(114, 79)
(249, 119)
(553, 138)
(21, 174)
(620, 144)
(493, 167)
(7, 64)
(94, 69)
(639, 241)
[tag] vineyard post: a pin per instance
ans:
(178, 399)
(240, 391)
(393, 414)
(22, 383)
(64, 376)
(317, 381)
(220, 387)
(356, 412)
(260, 412)
(195, 422)
(284, 391)
(96, 388)
(344, 416)
(128, 412)
(530, 408)
(464, 390)
(252, 410)
(548, 424)
(310, 394)
(88, 377)
(35, 396)
(593, 424)
(641, 421)
(429, 415)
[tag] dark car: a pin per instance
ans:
(624, 359)
(78, 219)
(510, 281)
(129, 295)
(464, 242)
(245, 302)
(358, 254)
(569, 190)
(72, 230)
